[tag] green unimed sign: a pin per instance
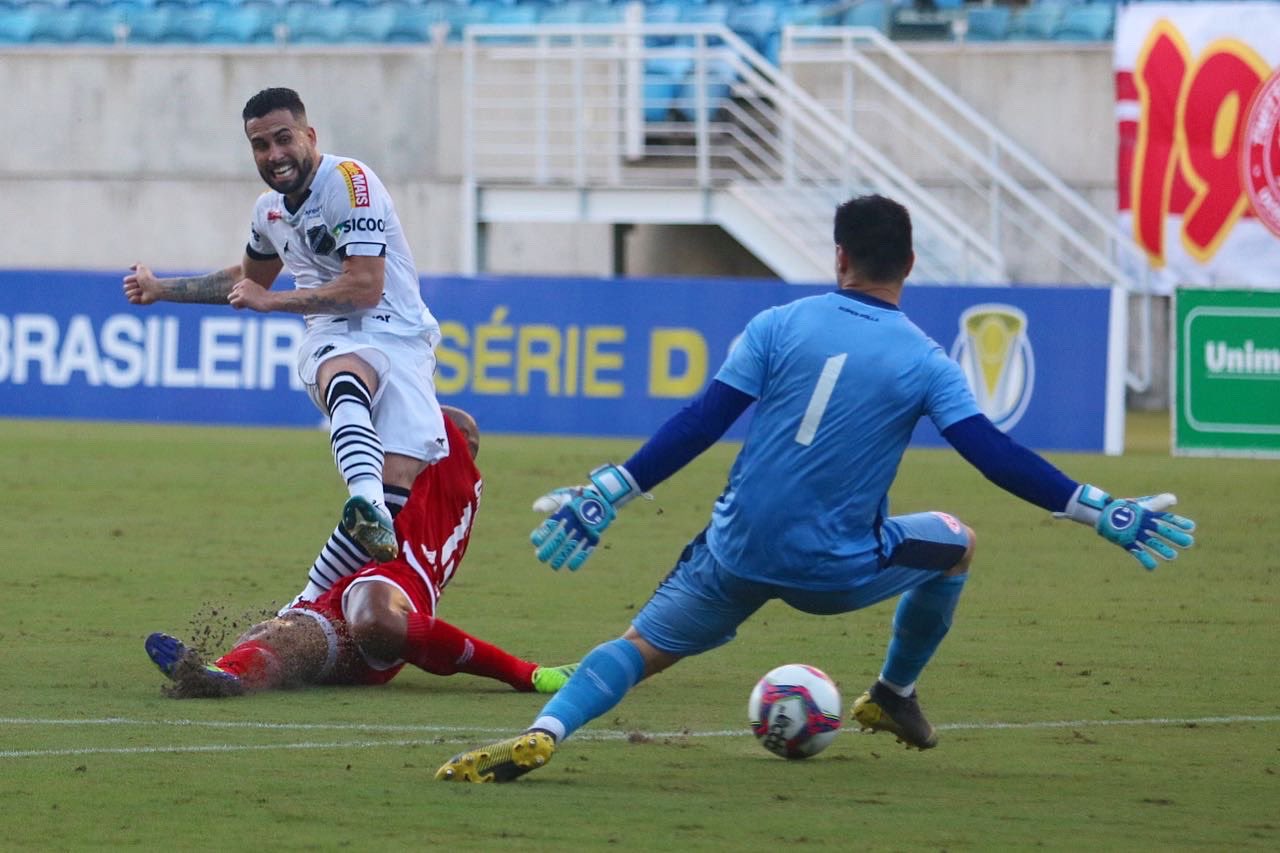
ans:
(1227, 372)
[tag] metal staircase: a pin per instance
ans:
(675, 123)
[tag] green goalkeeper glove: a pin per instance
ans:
(1139, 525)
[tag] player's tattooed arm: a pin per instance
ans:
(210, 289)
(143, 287)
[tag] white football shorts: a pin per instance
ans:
(406, 413)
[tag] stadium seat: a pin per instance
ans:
(571, 12)
(245, 24)
(416, 23)
(17, 26)
(462, 16)
(988, 23)
(704, 13)
(754, 23)
(193, 25)
(505, 13)
(150, 25)
(1035, 23)
(718, 82)
(55, 25)
(311, 23)
(868, 13)
(99, 26)
(370, 25)
(1091, 22)
(663, 78)
(661, 13)
(600, 13)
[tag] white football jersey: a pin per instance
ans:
(348, 212)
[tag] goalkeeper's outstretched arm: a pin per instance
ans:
(1141, 525)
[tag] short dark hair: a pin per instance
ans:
(875, 233)
(270, 100)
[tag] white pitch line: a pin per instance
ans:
(599, 735)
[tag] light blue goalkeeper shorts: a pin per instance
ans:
(700, 604)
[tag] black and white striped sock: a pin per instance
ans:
(342, 555)
(357, 449)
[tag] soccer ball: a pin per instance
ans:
(794, 711)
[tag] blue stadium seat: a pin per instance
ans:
(16, 25)
(415, 23)
(461, 16)
(754, 22)
(55, 25)
(661, 13)
(245, 24)
(704, 13)
(663, 78)
(1035, 23)
(868, 13)
(572, 12)
(503, 13)
(371, 25)
(311, 23)
(988, 23)
(718, 81)
(99, 26)
(150, 25)
(1092, 22)
(599, 13)
(193, 25)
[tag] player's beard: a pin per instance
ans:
(302, 173)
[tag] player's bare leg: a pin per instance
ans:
(385, 627)
(286, 651)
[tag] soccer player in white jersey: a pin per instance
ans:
(368, 356)
(839, 382)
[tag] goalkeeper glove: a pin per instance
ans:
(1139, 525)
(579, 515)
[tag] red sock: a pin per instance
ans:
(441, 649)
(256, 663)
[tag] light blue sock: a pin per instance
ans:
(921, 621)
(601, 680)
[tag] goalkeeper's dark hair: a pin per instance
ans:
(875, 233)
(276, 98)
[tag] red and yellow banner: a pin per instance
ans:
(1198, 115)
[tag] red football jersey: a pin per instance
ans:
(435, 525)
(434, 529)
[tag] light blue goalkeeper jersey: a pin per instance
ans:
(840, 382)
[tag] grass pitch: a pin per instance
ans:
(1082, 702)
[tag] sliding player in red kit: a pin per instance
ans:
(365, 628)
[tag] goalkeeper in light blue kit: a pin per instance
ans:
(839, 381)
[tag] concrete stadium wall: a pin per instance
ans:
(114, 155)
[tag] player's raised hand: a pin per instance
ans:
(141, 287)
(1141, 526)
(247, 293)
(580, 515)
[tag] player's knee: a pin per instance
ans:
(376, 620)
(378, 633)
(967, 558)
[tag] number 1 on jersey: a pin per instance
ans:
(818, 401)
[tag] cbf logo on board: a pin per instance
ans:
(994, 352)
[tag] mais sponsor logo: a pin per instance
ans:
(357, 183)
